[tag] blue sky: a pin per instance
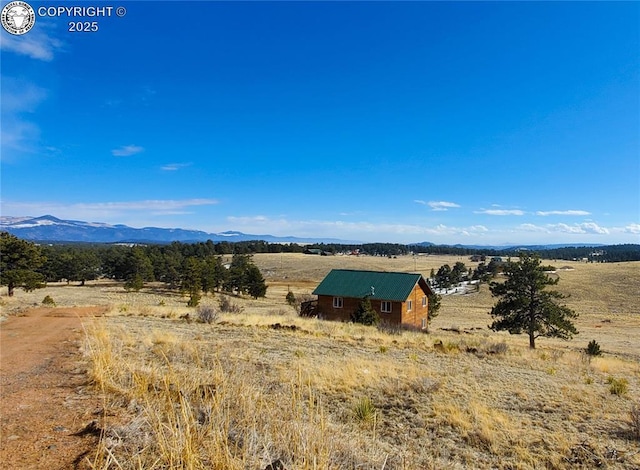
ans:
(461, 122)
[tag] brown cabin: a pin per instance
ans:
(399, 298)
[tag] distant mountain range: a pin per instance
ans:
(48, 228)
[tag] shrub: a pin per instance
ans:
(227, 306)
(593, 348)
(390, 328)
(207, 314)
(452, 347)
(194, 299)
(296, 301)
(48, 300)
(364, 410)
(498, 348)
(618, 386)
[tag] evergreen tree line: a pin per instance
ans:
(600, 254)
(448, 276)
(192, 268)
(185, 265)
(371, 249)
(173, 263)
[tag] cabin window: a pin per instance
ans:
(385, 306)
(424, 301)
(337, 302)
(424, 323)
(409, 305)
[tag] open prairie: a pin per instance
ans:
(265, 389)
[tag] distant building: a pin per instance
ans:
(317, 251)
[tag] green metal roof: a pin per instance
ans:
(377, 285)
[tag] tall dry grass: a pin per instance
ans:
(245, 393)
(191, 409)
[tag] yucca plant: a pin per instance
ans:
(364, 410)
(593, 348)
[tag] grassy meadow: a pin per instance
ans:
(265, 389)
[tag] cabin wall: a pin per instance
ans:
(418, 313)
(350, 304)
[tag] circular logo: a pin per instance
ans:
(18, 18)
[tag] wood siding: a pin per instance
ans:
(400, 315)
(418, 312)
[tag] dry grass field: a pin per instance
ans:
(265, 389)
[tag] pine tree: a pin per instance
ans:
(236, 280)
(194, 297)
(525, 305)
(192, 280)
(19, 264)
(433, 306)
(365, 313)
(443, 277)
(135, 283)
(256, 286)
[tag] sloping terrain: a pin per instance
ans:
(265, 387)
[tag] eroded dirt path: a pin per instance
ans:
(44, 398)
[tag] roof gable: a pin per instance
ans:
(392, 286)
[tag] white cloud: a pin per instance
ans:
(174, 166)
(500, 212)
(127, 151)
(532, 228)
(105, 211)
(592, 227)
(569, 212)
(362, 231)
(19, 133)
(37, 44)
(633, 228)
(151, 204)
(437, 205)
(18, 137)
(19, 96)
(585, 228)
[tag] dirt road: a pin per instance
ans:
(44, 397)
